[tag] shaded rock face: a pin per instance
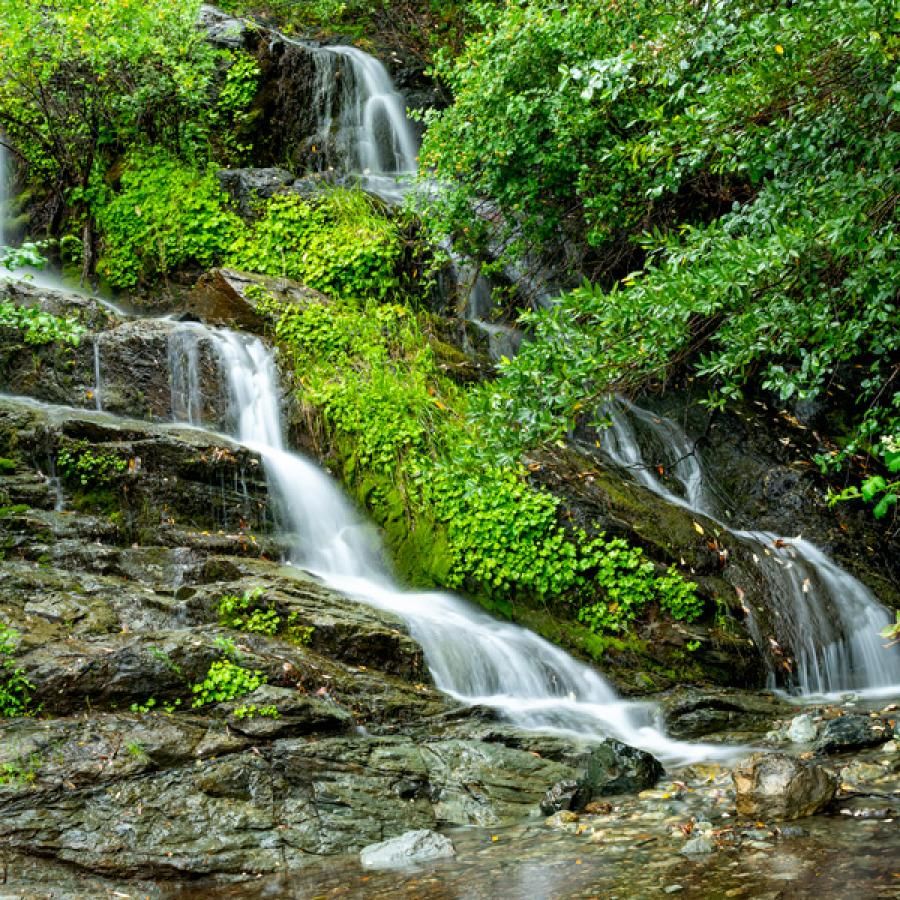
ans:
(771, 787)
(139, 476)
(695, 713)
(121, 365)
(597, 499)
(759, 464)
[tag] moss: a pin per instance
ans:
(99, 501)
(7, 466)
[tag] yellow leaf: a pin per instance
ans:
(779, 49)
(698, 528)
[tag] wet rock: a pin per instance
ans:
(561, 819)
(230, 298)
(694, 713)
(606, 769)
(248, 187)
(775, 786)
(412, 848)
(848, 733)
(802, 730)
(562, 797)
(698, 846)
(221, 29)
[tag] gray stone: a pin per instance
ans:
(775, 786)
(409, 849)
(852, 733)
(249, 186)
(802, 729)
(698, 846)
(221, 29)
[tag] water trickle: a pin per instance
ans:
(472, 657)
(98, 393)
(184, 367)
(826, 623)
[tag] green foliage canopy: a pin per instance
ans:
(80, 78)
(739, 157)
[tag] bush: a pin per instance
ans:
(166, 214)
(339, 243)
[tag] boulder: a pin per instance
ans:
(802, 730)
(230, 298)
(408, 849)
(848, 733)
(603, 770)
(221, 29)
(777, 787)
(250, 186)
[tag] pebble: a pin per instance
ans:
(697, 846)
(673, 889)
(802, 729)
(792, 831)
(561, 819)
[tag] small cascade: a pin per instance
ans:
(472, 657)
(826, 622)
(361, 123)
(98, 392)
(184, 369)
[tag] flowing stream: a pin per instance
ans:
(472, 657)
(826, 623)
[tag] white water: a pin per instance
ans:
(362, 126)
(98, 392)
(472, 657)
(826, 622)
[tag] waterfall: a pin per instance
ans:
(361, 124)
(184, 368)
(474, 658)
(821, 614)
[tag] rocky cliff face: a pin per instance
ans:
(113, 576)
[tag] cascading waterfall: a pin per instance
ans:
(362, 127)
(472, 657)
(828, 619)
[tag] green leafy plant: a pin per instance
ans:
(21, 772)
(39, 327)
(249, 612)
(339, 242)
(877, 490)
(226, 680)
(892, 632)
(445, 485)
(728, 171)
(251, 711)
(296, 632)
(78, 463)
(15, 688)
(166, 214)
